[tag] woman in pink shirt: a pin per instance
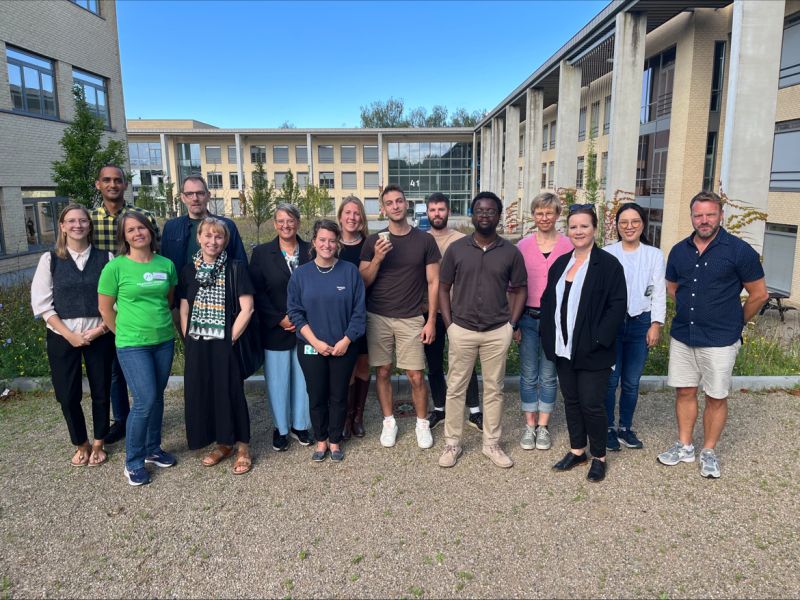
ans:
(537, 381)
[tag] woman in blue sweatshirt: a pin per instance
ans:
(326, 306)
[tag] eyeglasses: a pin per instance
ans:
(285, 222)
(489, 212)
(199, 194)
(76, 221)
(576, 207)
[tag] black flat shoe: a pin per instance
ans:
(569, 461)
(597, 472)
(116, 432)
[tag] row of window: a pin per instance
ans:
(349, 179)
(32, 81)
(549, 170)
(280, 154)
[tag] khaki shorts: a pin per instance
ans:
(710, 366)
(387, 335)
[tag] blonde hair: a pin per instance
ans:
(217, 225)
(544, 200)
(364, 230)
(61, 240)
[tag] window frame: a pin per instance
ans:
(83, 79)
(327, 175)
(21, 64)
(208, 160)
(325, 161)
(368, 159)
(214, 180)
(346, 149)
(275, 149)
(262, 150)
(348, 185)
(789, 23)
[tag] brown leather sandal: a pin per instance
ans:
(217, 455)
(243, 463)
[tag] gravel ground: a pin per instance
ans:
(391, 523)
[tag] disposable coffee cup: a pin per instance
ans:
(384, 235)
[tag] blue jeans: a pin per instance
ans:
(631, 356)
(537, 379)
(286, 388)
(147, 370)
(120, 406)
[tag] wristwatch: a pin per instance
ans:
(514, 325)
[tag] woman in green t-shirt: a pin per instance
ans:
(141, 283)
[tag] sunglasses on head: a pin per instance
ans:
(576, 207)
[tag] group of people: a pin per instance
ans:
(115, 289)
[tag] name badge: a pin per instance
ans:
(309, 349)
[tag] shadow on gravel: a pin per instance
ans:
(391, 523)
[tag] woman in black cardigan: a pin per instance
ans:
(271, 266)
(582, 307)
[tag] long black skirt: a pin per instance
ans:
(216, 408)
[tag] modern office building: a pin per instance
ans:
(678, 96)
(48, 47)
(345, 161)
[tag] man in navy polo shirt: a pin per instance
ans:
(705, 276)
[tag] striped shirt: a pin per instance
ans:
(105, 225)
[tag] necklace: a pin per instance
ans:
(324, 270)
(353, 242)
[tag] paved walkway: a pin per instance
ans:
(390, 523)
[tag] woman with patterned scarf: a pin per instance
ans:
(216, 408)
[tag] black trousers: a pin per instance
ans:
(434, 355)
(65, 373)
(327, 383)
(584, 405)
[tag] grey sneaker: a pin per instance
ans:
(528, 441)
(675, 455)
(709, 465)
(543, 438)
(450, 456)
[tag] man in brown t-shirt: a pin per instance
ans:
(483, 270)
(397, 264)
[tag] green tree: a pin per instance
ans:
(290, 192)
(146, 199)
(260, 199)
(392, 113)
(590, 182)
(84, 154)
(461, 118)
(315, 203)
(384, 114)
(287, 125)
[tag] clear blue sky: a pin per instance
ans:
(314, 64)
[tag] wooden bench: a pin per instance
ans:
(774, 303)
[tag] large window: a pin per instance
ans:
(326, 180)
(280, 179)
(717, 77)
(651, 164)
(216, 205)
(90, 5)
(785, 173)
(95, 90)
(551, 174)
(280, 154)
(233, 180)
(371, 179)
(522, 144)
(213, 155)
(145, 155)
(790, 53)
(258, 154)
(604, 177)
(595, 119)
(348, 154)
(301, 155)
(188, 160)
(607, 114)
(545, 139)
(582, 124)
(42, 208)
(214, 180)
(552, 135)
(325, 154)
(31, 80)
(543, 183)
(349, 180)
(233, 159)
(372, 206)
(659, 75)
(579, 173)
(370, 154)
(710, 162)
(422, 168)
(302, 179)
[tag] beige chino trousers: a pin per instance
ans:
(465, 346)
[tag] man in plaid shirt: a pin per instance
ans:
(111, 183)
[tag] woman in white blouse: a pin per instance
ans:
(64, 294)
(641, 329)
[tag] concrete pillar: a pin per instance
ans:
(756, 38)
(473, 183)
(239, 161)
(496, 184)
(533, 147)
(13, 209)
(569, 106)
(381, 184)
(626, 97)
(486, 158)
(511, 179)
(310, 157)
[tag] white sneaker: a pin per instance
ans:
(389, 433)
(424, 437)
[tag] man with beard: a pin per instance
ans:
(111, 183)
(397, 265)
(483, 270)
(438, 206)
(705, 276)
